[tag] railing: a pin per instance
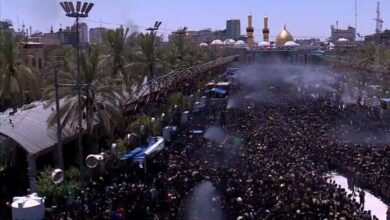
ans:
(160, 86)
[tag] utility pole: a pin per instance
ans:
(78, 12)
(152, 34)
(59, 127)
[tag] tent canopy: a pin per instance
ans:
(140, 153)
(28, 127)
(219, 90)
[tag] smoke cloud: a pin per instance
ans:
(204, 203)
(215, 134)
(280, 83)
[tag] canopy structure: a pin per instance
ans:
(140, 154)
(137, 155)
(217, 42)
(219, 91)
(197, 131)
(342, 40)
(291, 44)
(28, 127)
(264, 44)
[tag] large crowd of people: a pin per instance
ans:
(273, 163)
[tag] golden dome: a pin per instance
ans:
(283, 37)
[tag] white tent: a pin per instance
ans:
(230, 41)
(240, 43)
(264, 44)
(291, 44)
(203, 45)
(342, 40)
(217, 42)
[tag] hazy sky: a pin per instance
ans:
(304, 18)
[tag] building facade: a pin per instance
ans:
(68, 37)
(381, 38)
(233, 29)
(83, 34)
(202, 36)
(96, 35)
(337, 34)
(34, 54)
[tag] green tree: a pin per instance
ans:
(146, 57)
(57, 193)
(100, 100)
(16, 79)
(170, 54)
(144, 126)
(115, 40)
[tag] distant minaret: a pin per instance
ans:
(266, 30)
(249, 32)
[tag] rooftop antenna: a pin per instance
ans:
(356, 16)
(337, 24)
(378, 19)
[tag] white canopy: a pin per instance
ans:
(230, 41)
(342, 40)
(264, 44)
(157, 146)
(291, 44)
(217, 42)
(240, 43)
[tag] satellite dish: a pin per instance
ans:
(57, 176)
(93, 160)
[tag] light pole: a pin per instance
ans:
(155, 27)
(152, 30)
(78, 12)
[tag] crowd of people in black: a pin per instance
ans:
(273, 163)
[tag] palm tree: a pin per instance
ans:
(115, 40)
(171, 60)
(146, 54)
(100, 99)
(188, 53)
(16, 79)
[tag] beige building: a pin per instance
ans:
(34, 54)
(337, 34)
(96, 35)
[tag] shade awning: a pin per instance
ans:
(140, 153)
(219, 90)
(28, 127)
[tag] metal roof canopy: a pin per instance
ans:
(29, 128)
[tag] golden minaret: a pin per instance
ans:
(249, 32)
(266, 30)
